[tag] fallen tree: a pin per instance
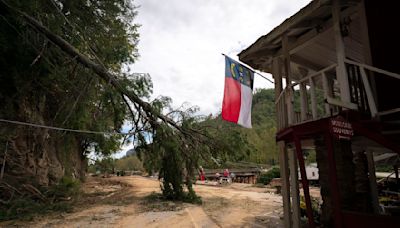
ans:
(192, 140)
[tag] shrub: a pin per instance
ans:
(266, 177)
(27, 206)
(67, 187)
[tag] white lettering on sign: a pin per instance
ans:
(342, 124)
(342, 131)
(341, 128)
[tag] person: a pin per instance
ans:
(217, 177)
(226, 173)
(202, 174)
(232, 176)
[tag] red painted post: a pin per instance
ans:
(304, 181)
(333, 181)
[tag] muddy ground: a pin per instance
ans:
(131, 202)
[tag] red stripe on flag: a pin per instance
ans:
(232, 100)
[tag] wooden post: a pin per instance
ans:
(327, 94)
(288, 72)
(277, 74)
(285, 191)
(303, 101)
(333, 181)
(341, 73)
(313, 99)
(372, 181)
(366, 43)
(294, 188)
(304, 181)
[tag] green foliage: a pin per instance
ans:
(176, 169)
(265, 178)
(310, 156)
(384, 168)
(39, 83)
(232, 143)
(174, 155)
(26, 207)
(129, 163)
(103, 165)
(238, 144)
(67, 187)
(315, 205)
(171, 170)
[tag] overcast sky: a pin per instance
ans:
(181, 42)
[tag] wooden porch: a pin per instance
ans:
(323, 67)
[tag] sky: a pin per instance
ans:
(181, 42)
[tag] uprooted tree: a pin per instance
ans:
(62, 65)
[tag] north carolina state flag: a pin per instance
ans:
(238, 93)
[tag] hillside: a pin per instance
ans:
(242, 147)
(256, 145)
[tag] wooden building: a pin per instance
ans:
(337, 79)
(243, 175)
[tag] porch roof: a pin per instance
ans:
(312, 23)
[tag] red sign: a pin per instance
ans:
(341, 128)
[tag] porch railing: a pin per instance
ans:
(318, 95)
(366, 72)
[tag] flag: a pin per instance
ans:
(238, 93)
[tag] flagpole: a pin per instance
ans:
(253, 71)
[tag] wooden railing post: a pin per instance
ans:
(284, 111)
(313, 99)
(303, 101)
(288, 72)
(368, 91)
(277, 74)
(289, 105)
(325, 85)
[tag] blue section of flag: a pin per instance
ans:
(239, 72)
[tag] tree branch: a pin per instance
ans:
(97, 68)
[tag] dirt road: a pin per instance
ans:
(129, 202)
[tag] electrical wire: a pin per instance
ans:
(62, 129)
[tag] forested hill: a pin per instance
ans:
(256, 145)
(262, 135)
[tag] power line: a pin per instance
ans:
(63, 129)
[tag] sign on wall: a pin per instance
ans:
(340, 128)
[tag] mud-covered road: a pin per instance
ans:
(131, 202)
